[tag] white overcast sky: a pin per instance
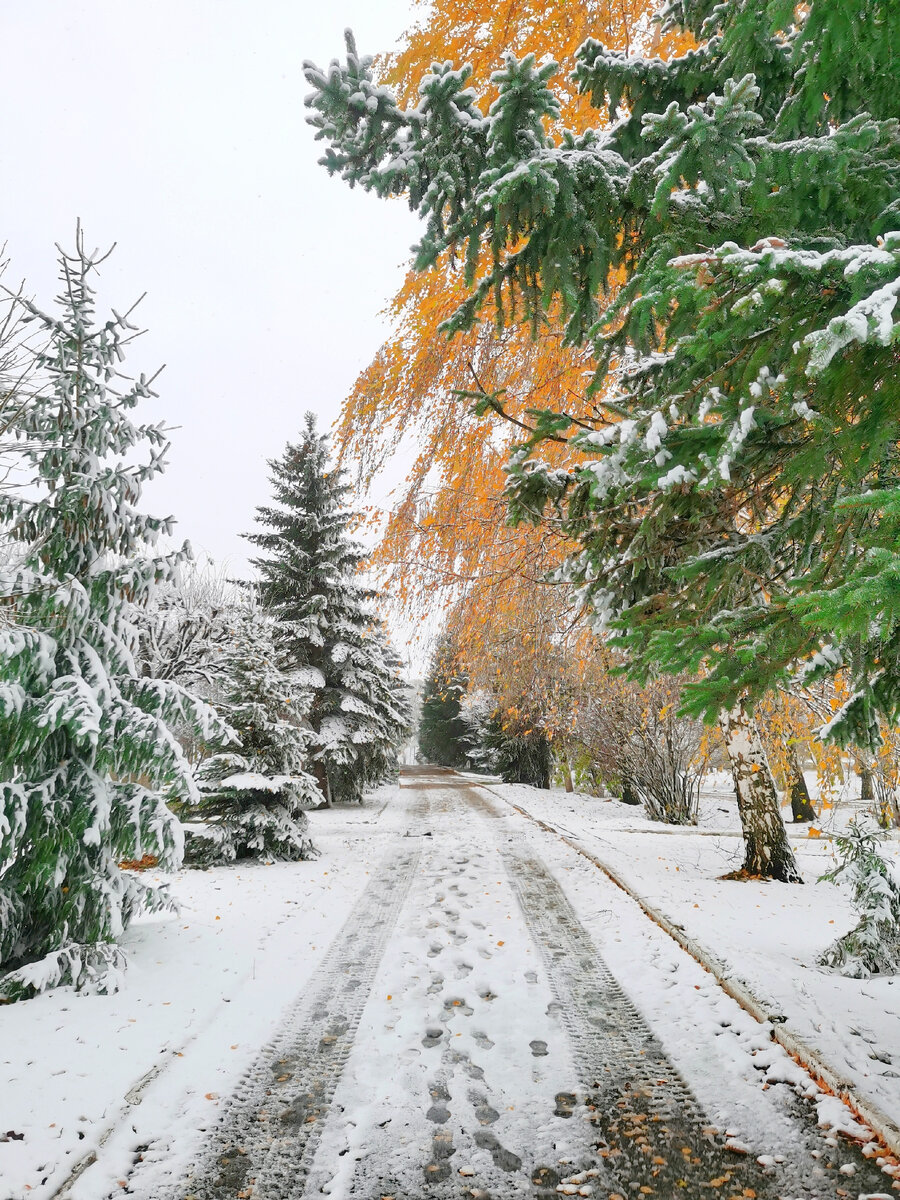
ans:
(176, 129)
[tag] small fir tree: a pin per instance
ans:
(330, 637)
(87, 758)
(872, 947)
(254, 799)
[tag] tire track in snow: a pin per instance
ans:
(645, 1114)
(265, 1140)
(651, 1131)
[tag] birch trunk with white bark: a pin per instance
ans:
(767, 850)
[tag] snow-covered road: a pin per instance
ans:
(464, 1037)
(451, 1002)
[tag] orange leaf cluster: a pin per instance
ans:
(146, 863)
(446, 536)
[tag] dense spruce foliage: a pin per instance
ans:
(254, 797)
(444, 735)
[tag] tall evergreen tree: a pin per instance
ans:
(87, 759)
(738, 500)
(330, 636)
(254, 797)
(444, 736)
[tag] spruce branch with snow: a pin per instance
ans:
(87, 757)
(872, 947)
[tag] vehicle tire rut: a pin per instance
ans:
(266, 1139)
(651, 1129)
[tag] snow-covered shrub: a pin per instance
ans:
(253, 799)
(189, 624)
(520, 750)
(872, 947)
(476, 710)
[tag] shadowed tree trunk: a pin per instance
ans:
(801, 802)
(767, 850)
(629, 792)
(866, 792)
(321, 778)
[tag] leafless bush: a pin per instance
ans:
(636, 738)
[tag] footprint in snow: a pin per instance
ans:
(485, 1113)
(470, 1068)
(455, 1005)
(504, 1159)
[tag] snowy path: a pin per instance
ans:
(464, 1038)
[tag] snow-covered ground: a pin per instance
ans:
(768, 934)
(202, 992)
(460, 1034)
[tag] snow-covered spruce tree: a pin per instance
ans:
(873, 945)
(328, 632)
(253, 799)
(377, 694)
(737, 506)
(87, 759)
(443, 733)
